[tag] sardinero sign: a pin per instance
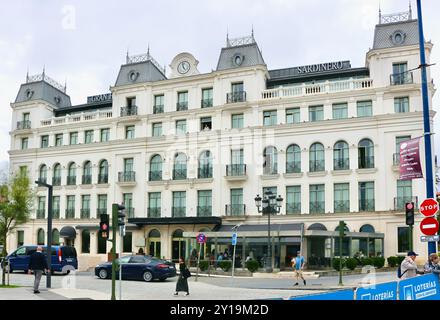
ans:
(322, 67)
(100, 98)
(410, 167)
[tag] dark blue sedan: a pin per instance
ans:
(138, 267)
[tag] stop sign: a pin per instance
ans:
(429, 226)
(429, 207)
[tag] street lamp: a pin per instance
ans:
(270, 204)
(49, 230)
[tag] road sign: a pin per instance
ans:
(429, 207)
(234, 239)
(434, 238)
(201, 238)
(429, 226)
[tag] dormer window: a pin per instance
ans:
(398, 37)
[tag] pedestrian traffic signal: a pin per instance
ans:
(104, 226)
(342, 229)
(409, 212)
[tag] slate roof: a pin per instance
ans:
(383, 34)
(41, 90)
(145, 71)
(250, 52)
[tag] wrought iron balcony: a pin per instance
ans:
(41, 213)
(154, 212)
(87, 179)
(401, 78)
(206, 103)
(179, 212)
(293, 208)
(85, 213)
(271, 169)
(316, 165)
(293, 167)
(233, 170)
(341, 206)
(341, 164)
(233, 97)
(366, 205)
(235, 210)
(129, 111)
(102, 178)
(366, 162)
(56, 213)
(70, 213)
(158, 109)
(25, 124)
(205, 172)
(399, 202)
(179, 174)
(129, 212)
(56, 181)
(71, 180)
(155, 175)
(204, 211)
(100, 211)
(127, 176)
(182, 106)
(317, 207)
(396, 159)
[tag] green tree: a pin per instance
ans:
(16, 199)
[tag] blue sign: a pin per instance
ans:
(383, 291)
(234, 239)
(335, 295)
(201, 238)
(420, 288)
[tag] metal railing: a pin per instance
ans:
(158, 109)
(100, 211)
(401, 78)
(341, 206)
(205, 172)
(366, 162)
(233, 97)
(154, 212)
(86, 179)
(70, 213)
(102, 178)
(293, 167)
(366, 205)
(179, 174)
(129, 212)
(399, 202)
(233, 170)
(71, 180)
(85, 213)
(127, 176)
(204, 211)
(317, 207)
(341, 164)
(396, 159)
(41, 213)
(56, 181)
(271, 169)
(235, 209)
(206, 103)
(182, 106)
(25, 124)
(155, 175)
(43, 179)
(179, 212)
(293, 208)
(129, 111)
(316, 165)
(56, 213)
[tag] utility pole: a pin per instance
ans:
(342, 225)
(114, 227)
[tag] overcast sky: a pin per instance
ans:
(86, 41)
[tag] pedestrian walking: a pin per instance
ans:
(298, 265)
(408, 266)
(182, 281)
(37, 264)
(432, 266)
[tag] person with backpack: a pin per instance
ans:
(408, 267)
(432, 266)
(182, 281)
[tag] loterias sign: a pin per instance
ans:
(323, 67)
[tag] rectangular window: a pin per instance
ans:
(159, 101)
(237, 87)
(273, 190)
(316, 113)
(207, 98)
(237, 207)
(404, 193)
(317, 198)
(157, 129)
(204, 205)
(237, 121)
(44, 141)
(237, 93)
(154, 204)
(400, 74)
(24, 143)
(56, 207)
(365, 108)
(270, 118)
(179, 203)
(293, 201)
(41, 211)
(131, 101)
(20, 238)
(180, 127)
(340, 111)
(128, 203)
(128, 164)
(182, 101)
(205, 123)
(128, 241)
(129, 132)
(102, 204)
(293, 115)
(26, 116)
(342, 197)
(401, 104)
(237, 156)
(85, 206)
(58, 139)
(70, 208)
(105, 135)
(73, 138)
(366, 196)
(88, 136)
(402, 239)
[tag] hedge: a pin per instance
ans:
(203, 265)
(336, 263)
(252, 265)
(225, 265)
(351, 263)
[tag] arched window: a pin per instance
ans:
(367, 228)
(341, 159)
(87, 173)
(85, 241)
(270, 164)
(71, 174)
(205, 165)
(43, 173)
(103, 172)
(366, 154)
(40, 237)
(56, 178)
(317, 226)
(55, 237)
(154, 243)
(317, 162)
(179, 172)
(293, 159)
(156, 168)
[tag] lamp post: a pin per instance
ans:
(49, 230)
(269, 204)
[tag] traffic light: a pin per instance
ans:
(121, 219)
(104, 226)
(342, 231)
(409, 212)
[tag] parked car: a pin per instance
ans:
(137, 267)
(64, 258)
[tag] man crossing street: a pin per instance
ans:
(37, 264)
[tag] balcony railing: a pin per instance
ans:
(102, 178)
(179, 174)
(233, 170)
(154, 212)
(56, 213)
(204, 211)
(399, 202)
(127, 176)
(341, 206)
(129, 111)
(317, 88)
(233, 97)
(70, 213)
(205, 172)
(317, 207)
(401, 78)
(396, 159)
(129, 212)
(182, 106)
(179, 212)
(155, 175)
(206, 103)
(84, 116)
(87, 179)
(25, 124)
(271, 169)
(293, 167)
(56, 181)
(366, 162)
(341, 164)
(293, 208)
(235, 210)
(41, 213)
(158, 109)
(100, 211)
(316, 165)
(71, 180)
(85, 213)
(366, 205)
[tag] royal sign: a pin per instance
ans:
(429, 207)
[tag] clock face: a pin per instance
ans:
(183, 67)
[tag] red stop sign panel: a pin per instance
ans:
(429, 226)
(429, 207)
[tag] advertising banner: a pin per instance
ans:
(420, 288)
(410, 167)
(335, 295)
(383, 291)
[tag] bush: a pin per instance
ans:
(336, 263)
(252, 265)
(367, 261)
(225, 265)
(351, 263)
(400, 259)
(203, 265)
(392, 261)
(378, 262)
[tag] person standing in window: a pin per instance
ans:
(182, 282)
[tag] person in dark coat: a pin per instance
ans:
(37, 264)
(182, 281)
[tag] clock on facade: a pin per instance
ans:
(183, 67)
